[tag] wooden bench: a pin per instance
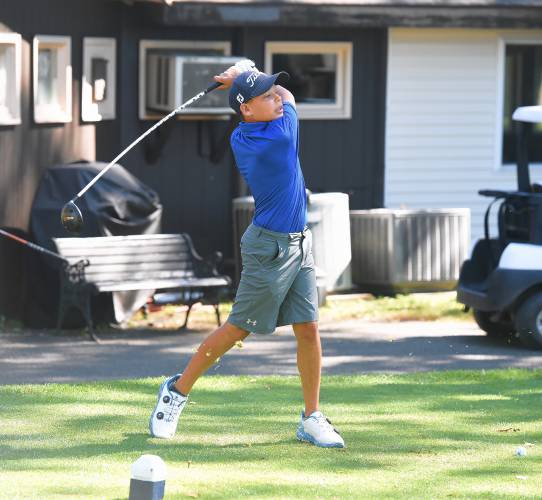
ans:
(137, 262)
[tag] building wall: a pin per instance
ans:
(195, 189)
(336, 155)
(443, 115)
(343, 155)
(26, 150)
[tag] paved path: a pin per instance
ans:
(349, 347)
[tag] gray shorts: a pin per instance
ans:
(278, 281)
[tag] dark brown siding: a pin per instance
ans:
(26, 150)
(195, 188)
(343, 155)
(336, 155)
(195, 191)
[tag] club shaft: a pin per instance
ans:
(145, 134)
(32, 245)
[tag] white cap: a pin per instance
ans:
(149, 468)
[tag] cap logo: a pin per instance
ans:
(251, 80)
(240, 98)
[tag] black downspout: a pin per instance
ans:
(524, 180)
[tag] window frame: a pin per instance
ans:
(146, 44)
(342, 109)
(11, 114)
(46, 113)
(504, 40)
(105, 110)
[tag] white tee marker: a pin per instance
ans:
(148, 480)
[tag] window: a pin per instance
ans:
(99, 79)
(162, 83)
(10, 79)
(52, 73)
(522, 87)
(320, 76)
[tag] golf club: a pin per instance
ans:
(65, 263)
(33, 246)
(71, 217)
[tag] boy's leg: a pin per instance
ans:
(309, 363)
(314, 426)
(173, 393)
(213, 347)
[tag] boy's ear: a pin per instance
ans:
(245, 109)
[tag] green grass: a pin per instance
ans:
(409, 307)
(431, 435)
(441, 306)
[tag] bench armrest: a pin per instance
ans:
(208, 266)
(203, 267)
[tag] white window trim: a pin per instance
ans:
(342, 109)
(11, 114)
(105, 110)
(46, 114)
(145, 45)
(503, 41)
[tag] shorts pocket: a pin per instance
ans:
(266, 251)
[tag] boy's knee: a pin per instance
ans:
(234, 331)
(306, 332)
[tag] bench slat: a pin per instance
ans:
(142, 250)
(114, 286)
(133, 239)
(168, 260)
(138, 275)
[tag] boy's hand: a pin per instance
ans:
(227, 77)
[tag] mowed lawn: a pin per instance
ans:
(429, 435)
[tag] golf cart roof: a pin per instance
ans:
(531, 114)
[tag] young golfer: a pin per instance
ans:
(278, 283)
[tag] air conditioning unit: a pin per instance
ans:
(173, 79)
(397, 251)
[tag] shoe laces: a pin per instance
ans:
(325, 423)
(174, 407)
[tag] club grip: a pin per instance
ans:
(212, 87)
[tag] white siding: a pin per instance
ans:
(443, 119)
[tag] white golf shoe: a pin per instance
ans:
(164, 418)
(318, 430)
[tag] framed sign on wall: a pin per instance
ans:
(98, 91)
(10, 79)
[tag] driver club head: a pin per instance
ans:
(71, 218)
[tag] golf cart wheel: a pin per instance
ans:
(493, 327)
(529, 321)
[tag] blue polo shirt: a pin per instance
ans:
(266, 154)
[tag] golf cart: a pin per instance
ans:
(502, 280)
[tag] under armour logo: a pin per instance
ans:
(251, 79)
(240, 98)
(251, 322)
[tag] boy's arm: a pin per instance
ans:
(285, 95)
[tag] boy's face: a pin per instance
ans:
(263, 108)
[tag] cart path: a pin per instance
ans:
(349, 347)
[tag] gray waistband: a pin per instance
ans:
(286, 236)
